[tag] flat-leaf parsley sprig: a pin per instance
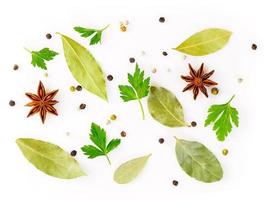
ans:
(139, 88)
(99, 138)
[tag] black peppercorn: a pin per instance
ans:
(123, 134)
(132, 60)
(193, 124)
(82, 106)
(48, 36)
(15, 67)
(12, 103)
(161, 140)
(79, 88)
(175, 183)
(162, 19)
(110, 77)
(164, 53)
(254, 46)
(73, 153)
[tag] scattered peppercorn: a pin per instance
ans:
(113, 117)
(175, 183)
(82, 106)
(240, 80)
(45, 74)
(73, 153)
(162, 19)
(123, 134)
(108, 122)
(154, 70)
(48, 36)
(110, 77)
(15, 67)
(254, 46)
(161, 140)
(132, 60)
(164, 53)
(72, 88)
(214, 91)
(79, 88)
(123, 28)
(12, 103)
(225, 152)
(193, 124)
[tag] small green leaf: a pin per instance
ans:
(84, 67)
(165, 108)
(91, 151)
(113, 144)
(205, 42)
(50, 158)
(198, 161)
(129, 170)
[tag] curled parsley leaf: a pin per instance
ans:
(222, 116)
(101, 148)
(139, 88)
(87, 32)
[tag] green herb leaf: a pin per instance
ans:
(205, 42)
(50, 158)
(198, 161)
(98, 137)
(129, 170)
(165, 108)
(222, 116)
(84, 67)
(139, 87)
(87, 32)
(39, 57)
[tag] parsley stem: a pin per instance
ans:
(27, 50)
(142, 109)
(105, 28)
(231, 99)
(108, 159)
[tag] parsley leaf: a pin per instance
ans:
(87, 32)
(39, 57)
(139, 88)
(222, 116)
(101, 148)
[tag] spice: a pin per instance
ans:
(164, 53)
(82, 106)
(175, 183)
(154, 70)
(79, 88)
(214, 91)
(132, 60)
(198, 80)
(193, 124)
(110, 77)
(48, 36)
(162, 19)
(225, 152)
(73, 153)
(113, 117)
(123, 27)
(12, 103)
(240, 80)
(108, 122)
(254, 47)
(15, 67)
(72, 88)
(45, 74)
(161, 140)
(123, 134)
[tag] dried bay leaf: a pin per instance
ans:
(84, 67)
(198, 161)
(129, 170)
(165, 107)
(205, 42)
(50, 158)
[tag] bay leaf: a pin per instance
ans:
(198, 161)
(50, 158)
(129, 170)
(165, 108)
(205, 42)
(84, 67)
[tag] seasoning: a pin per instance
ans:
(193, 124)
(79, 88)
(108, 122)
(48, 36)
(113, 117)
(82, 106)
(175, 183)
(240, 80)
(161, 140)
(15, 67)
(123, 134)
(12, 103)
(45, 74)
(123, 28)
(110, 77)
(214, 91)
(154, 70)
(162, 19)
(132, 60)
(72, 88)
(225, 152)
(73, 153)
(164, 53)
(254, 47)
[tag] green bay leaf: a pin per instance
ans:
(129, 170)
(50, 158)
(198, 161)
(84, 67)
(165, 107)
(205, 42)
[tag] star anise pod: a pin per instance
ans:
(198, 80)
(42, 102)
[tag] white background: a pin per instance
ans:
(25, 23)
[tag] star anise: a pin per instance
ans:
(42, 102)
(198, 80)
